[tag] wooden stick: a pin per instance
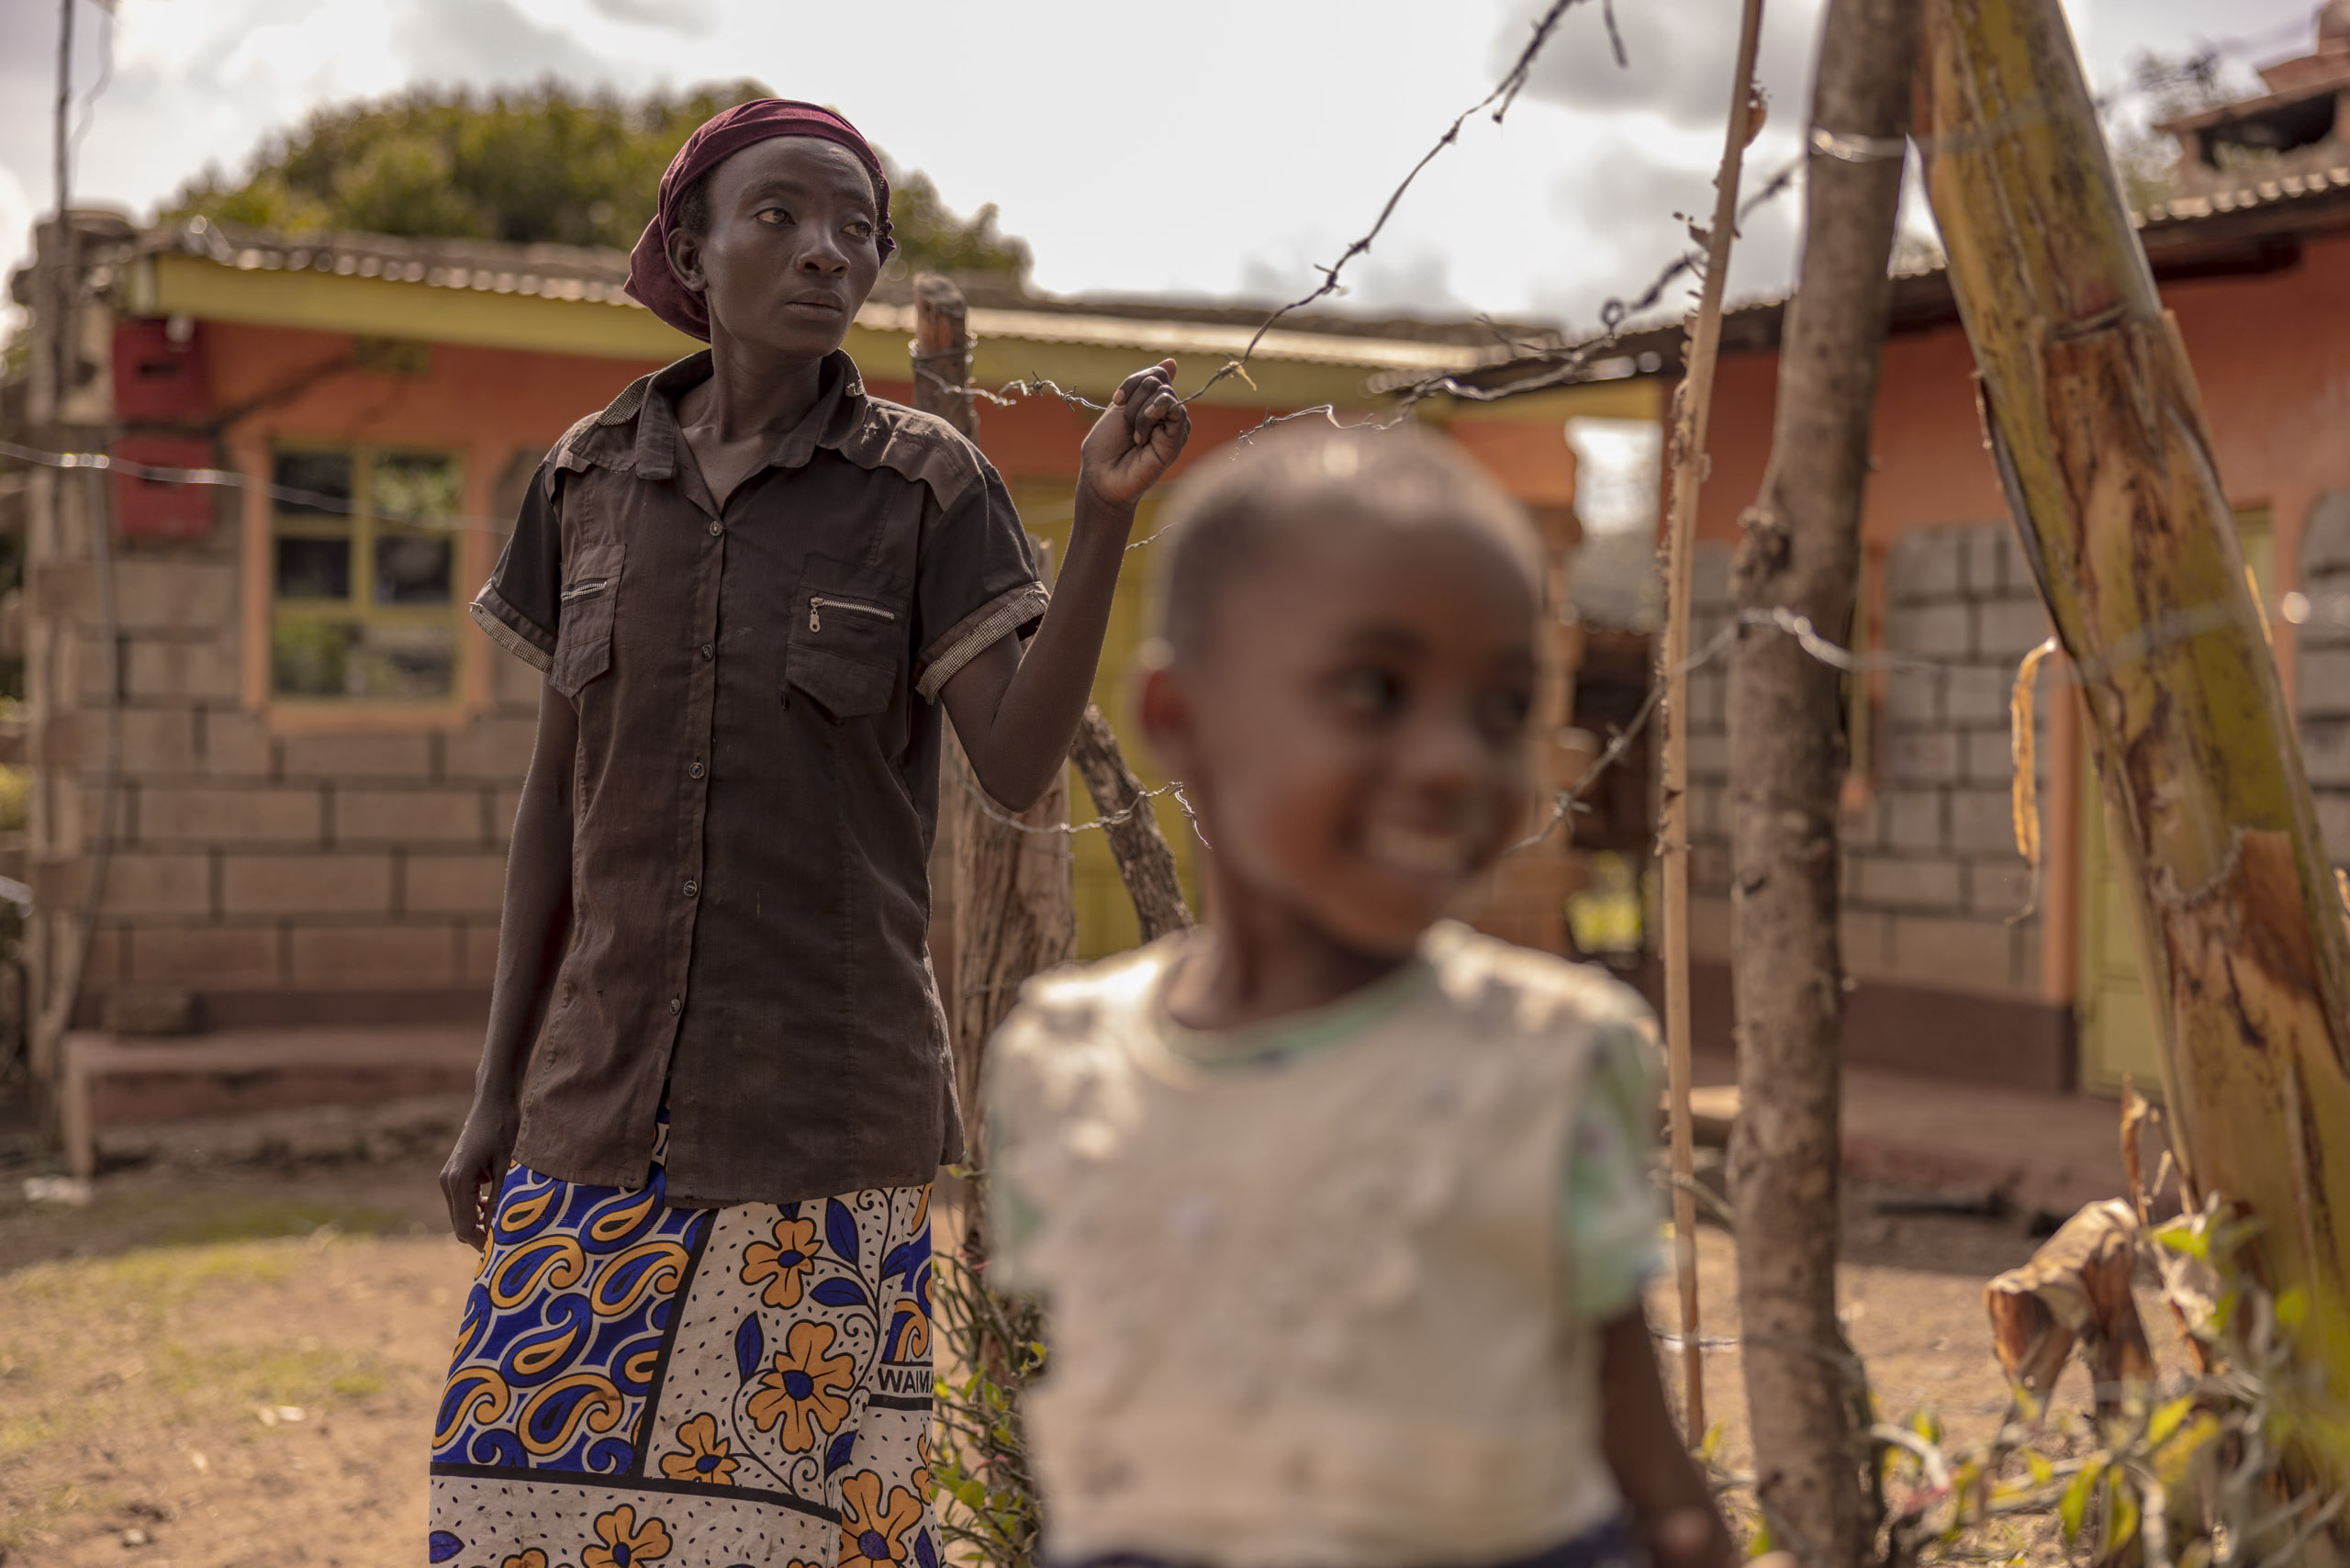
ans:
(1145, 864)
(1691, 403)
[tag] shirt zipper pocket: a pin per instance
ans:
(578, 592)
(818, 604)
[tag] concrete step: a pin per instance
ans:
(114, 1082)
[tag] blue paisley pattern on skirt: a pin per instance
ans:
(638, 1384)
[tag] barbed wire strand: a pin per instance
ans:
(2174, 627)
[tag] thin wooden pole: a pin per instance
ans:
(1691, 403)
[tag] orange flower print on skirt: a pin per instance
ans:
(680, 1388)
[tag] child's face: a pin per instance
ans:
(1354, 729)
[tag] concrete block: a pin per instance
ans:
(209, 814)
(407, 816)
(210, 955)
(374, 957)
(2324, 683)
(2325, 751)
(1922, 757)
(156, 741)
(1982, 823)
(1931, 884)
(503, 804)
(1986, 549)
(454, 884)
(1914, 822)
(2333, 824)
(1955, 954)
(1979, 695)
(306, 884)
(1709, 929)
(1709, 705)
(1709, 813)
(480, 946)
(1864, 938)
(1998, 891)
(1924, 565)
(1990, 756)
(494, 750)
(137, 884)
(236, 744)
(2008, 628)
(109, 943)
(1931, 631)
(174, 595)
(2325, 537)
(1710, 576)
(1915, 698)
(350, 757)
(207, 671)
(2328, 625)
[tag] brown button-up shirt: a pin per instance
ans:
(756, 789)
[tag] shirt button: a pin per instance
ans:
(709, 652)
(675, 1006)
(716, 528)
(695, 771)
(692, 888)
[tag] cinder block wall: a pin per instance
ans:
(2321, 673)
(286, 877)
(247, 862)
(1932, 881)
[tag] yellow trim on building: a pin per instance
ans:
(1088, 354)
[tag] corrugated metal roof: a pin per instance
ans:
(574, 273)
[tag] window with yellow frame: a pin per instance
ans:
(364, 566)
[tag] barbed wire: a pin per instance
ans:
(2175, 627)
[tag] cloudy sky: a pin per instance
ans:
(1213, 147)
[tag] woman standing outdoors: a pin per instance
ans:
(700, 1331)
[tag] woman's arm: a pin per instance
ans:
(534, 928)
(1016, 714)
(1672, 1510)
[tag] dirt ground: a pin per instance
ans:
(237, 1368)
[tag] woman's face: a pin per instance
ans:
(792, 247)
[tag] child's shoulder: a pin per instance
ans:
(1077, 1005)
(1536, 990)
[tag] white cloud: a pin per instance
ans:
(1226, 149)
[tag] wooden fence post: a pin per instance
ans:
(1003, 906)
(1800, 552)
(1691, 401)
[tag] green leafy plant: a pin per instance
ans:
(993, 1347)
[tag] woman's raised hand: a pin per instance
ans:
(1137, 438)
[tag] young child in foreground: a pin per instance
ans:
(1339, 1210)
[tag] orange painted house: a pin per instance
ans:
(318, 753)
(1958, 968)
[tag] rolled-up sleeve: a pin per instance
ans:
(519, 606)
(976, 582)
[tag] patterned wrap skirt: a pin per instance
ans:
(637, 1386)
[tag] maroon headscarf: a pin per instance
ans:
(652, 281)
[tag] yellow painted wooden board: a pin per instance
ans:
(2116, 1021)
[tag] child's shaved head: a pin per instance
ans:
(1315, 476)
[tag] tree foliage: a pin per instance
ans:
(534, 165)
(2164, 87)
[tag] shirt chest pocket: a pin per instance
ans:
(591, 592)
(846, 647)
